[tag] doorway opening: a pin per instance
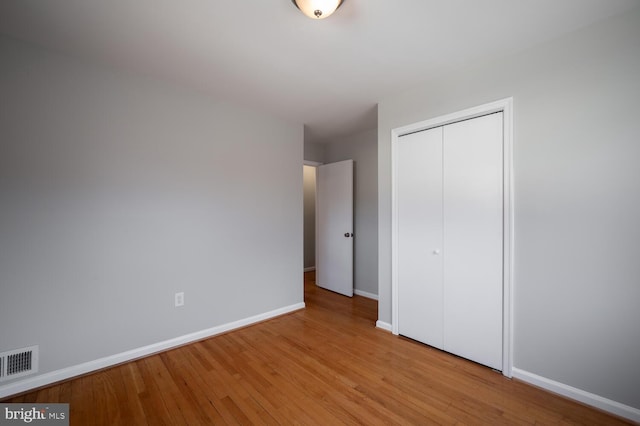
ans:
(309, 201)
(328, 224)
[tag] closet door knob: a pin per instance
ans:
(436, 252)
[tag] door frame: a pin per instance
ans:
(506, 107)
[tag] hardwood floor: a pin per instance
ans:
(326, 364)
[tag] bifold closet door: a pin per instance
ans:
(449, 238)
(419, 232)
(473, 206)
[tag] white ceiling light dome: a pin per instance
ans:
(317, 9)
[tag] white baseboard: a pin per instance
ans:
(588, 398)
(365, 294)
(309, 269)
(384, 325)
(98, 364)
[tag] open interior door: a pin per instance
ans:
(334, 222)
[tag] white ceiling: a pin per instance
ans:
(327, 74)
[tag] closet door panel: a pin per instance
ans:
(472, 252)
(419, 201)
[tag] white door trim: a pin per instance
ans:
(506, 106)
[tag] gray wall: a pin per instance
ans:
(362, 148)
(118, 191)
(577, 199)
(314, 151)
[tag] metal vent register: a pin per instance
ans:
(19, 362)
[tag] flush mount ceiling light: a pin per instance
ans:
(317, 9)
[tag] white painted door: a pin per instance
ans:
(419, 175)
(334, 221)
(473, 239)
(449, 238)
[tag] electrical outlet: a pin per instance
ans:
(179, 299)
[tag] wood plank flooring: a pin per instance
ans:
(324, 365)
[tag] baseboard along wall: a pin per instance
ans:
(384, 325)
(588, 398)
(365, 294)
(45, 379)
(576, 394)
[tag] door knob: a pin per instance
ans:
(347, 234)
(436, 252)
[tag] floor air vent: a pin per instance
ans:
(18, 363)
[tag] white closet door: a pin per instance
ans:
(419, 201)
(473, 226)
